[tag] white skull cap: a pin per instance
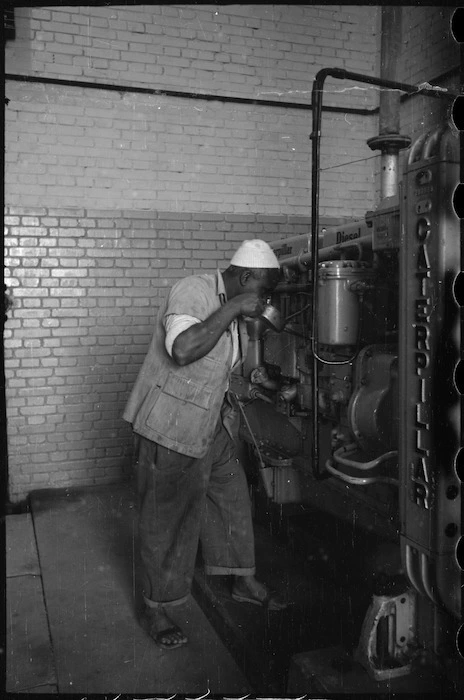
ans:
(255, 253)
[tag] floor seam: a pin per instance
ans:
(50, 638)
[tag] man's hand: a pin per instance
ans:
(249, 304)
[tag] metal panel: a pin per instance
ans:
(429, 351)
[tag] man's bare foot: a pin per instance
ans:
(161, 629)
(247, 589)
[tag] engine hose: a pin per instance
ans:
(357, 480)
(364, 466)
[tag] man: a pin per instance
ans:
(191, 485)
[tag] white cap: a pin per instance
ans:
(255, 253)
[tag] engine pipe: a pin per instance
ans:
(359, 480)
(389, 141)
(303, 260)
(316, 101)
(363, 466)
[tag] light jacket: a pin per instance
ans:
(178, 407)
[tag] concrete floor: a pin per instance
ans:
(71, 625)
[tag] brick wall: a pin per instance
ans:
(85, 285)
(77, 147)
(429, 52)
(243, 50)
(113, 195)
(71, 146)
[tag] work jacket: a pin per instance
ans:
(178, 407)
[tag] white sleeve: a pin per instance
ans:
(174, 325)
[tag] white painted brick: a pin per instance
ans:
(128, 36)
(94, 52)
(36, 12)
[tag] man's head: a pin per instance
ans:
(253, 268)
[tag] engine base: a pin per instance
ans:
(333, 670)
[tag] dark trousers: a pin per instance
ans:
(182, 501)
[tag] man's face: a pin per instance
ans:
(262, 282)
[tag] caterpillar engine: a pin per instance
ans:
(349, 400)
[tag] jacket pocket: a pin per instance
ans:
(187, 390)
(184, 413)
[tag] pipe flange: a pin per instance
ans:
(389, 143)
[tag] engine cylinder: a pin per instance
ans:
(339, 305)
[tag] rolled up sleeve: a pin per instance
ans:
(175, 324)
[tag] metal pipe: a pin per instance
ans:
(15, 77)
(180, 93)
(411, 571)
(453, 72)
(342, 74)
(316, 100)
(388, 174)
(325, 254)
(427, 579)
(389, 140)
(390, 48)
(253, 358)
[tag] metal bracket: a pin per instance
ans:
(387, 640)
